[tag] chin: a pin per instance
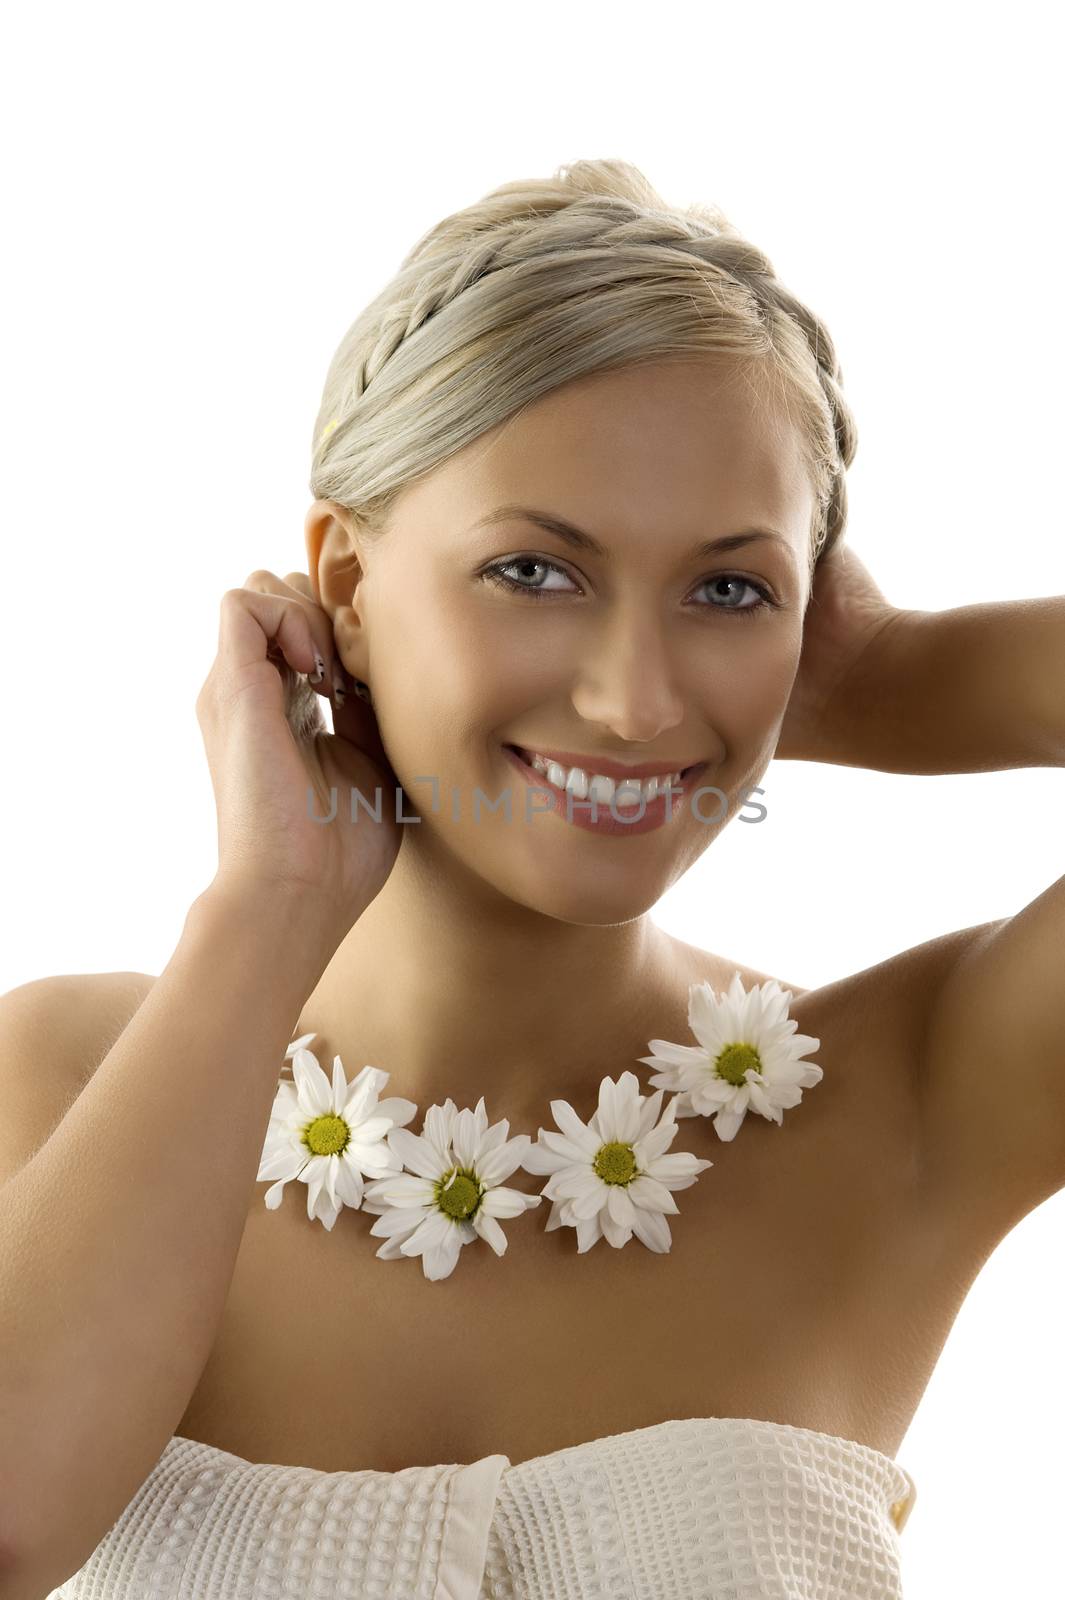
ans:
(596, 899)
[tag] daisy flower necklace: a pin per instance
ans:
(609, 1178)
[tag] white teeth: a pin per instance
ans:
(597, 786)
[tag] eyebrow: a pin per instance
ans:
(584, 541)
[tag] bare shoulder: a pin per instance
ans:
(894, 996)
(76, 1016)
(54, 1032)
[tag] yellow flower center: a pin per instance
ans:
(326, 1136)
(459, 1194)
(736, 1060)
(615, 1163)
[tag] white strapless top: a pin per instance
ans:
(704, 1508)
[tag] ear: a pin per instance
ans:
(335, 568)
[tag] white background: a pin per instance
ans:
(196, 205)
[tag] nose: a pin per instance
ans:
(627, 683)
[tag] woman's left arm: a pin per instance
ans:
(975, 689)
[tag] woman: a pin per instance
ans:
(579, 510)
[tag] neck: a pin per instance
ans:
(458, 991)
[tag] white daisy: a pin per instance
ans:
(611, 1178)
(329, 1136)
(748, 1056)
(452, 1194)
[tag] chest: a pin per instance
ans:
(792, 1259)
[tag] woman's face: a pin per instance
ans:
(639, 652)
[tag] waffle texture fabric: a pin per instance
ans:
(703, 1508)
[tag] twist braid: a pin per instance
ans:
(542, 282)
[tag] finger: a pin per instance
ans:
(301, 582)
(262, 581)
(253, 624)
(337, 677)
(356, 720)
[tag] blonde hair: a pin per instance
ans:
(547, 280)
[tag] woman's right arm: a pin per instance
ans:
(119, 1237)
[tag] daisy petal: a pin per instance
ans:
(285, 1101)
(397, 1220)
(360, 1096)
(497, 1135)
(429, 1232)
(501, 1160)
(563, 1145)
(490, 1231)
(608, 1112)
(439, 1120)
(418, 1153)
(373, 1129)
(311, 1084)
(501, 1202)
(400, 1111)
(571, 1124)
(574, 1181)
(652, 1229)
(615, 1233)
(539, 1159)
(327, 1214)
(654, 1144)
(404, 1189)
(677, 1171)
(677, 1055)
(648, 1116)
(650, 1195)
(761, 1102)
(348, 1185)
(340, 1085)
(800, 1044)
(588, 1233)
(589, 1203)
(390, 1251)
(726, 1124)
(619, 1205)
(440, 1261)
(282, 1161)
(465, 1138)
(299, 1044)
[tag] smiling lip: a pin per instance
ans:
(599, 818)
(609, 769)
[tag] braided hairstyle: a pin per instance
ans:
(544, 281)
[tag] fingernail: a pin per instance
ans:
(319, 673)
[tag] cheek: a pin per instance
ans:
(457, 677)
(498, 662)
(750, 686)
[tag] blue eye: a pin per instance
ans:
(765, 600)
(498, 575)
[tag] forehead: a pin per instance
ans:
(685, 449)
